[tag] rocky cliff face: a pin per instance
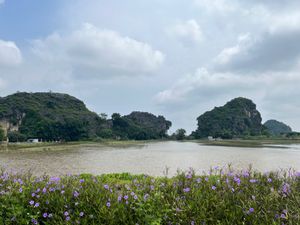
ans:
(9, 126)
(238, 117)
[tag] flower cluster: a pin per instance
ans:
(222, 196)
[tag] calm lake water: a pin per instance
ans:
(150, 158)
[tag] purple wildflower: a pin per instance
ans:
(34, 221)
(213, 187)
(269, 180)
(21, 190)
(246, 174)
(31, 202)
(66, 213)
(119, 198)
(126, 197)
(68, 218)
(108, 204)
(54, 179)
(186, 190)
(251, 210)
(75, 194)
(37, 205)
(253, 181)
(237, 180)
(106, 186)
(188, 176)
(81, 214)
(45, 215)
(286, 188)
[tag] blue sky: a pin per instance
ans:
(174, 58)
(28, 19)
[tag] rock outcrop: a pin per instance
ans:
(238, 117)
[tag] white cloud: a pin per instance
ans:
(284, 22)
(93, 50)
(203, 84)
(188, 31)
(10, 54)
(272, 50)
(217, 5)
(245, 42)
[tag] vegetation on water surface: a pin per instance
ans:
(220, 197)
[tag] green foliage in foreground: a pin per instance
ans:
(219, 198)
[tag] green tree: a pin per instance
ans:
(15, 136)
(180, 134)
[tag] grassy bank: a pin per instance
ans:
(243, 197)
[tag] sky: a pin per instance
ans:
(173, 58)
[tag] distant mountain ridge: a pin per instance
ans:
(238, 117)
(276, 127)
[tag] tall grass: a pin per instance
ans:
(220, 197)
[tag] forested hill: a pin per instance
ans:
(55, 116)
(237, 118)
(276, 127)
(140, 126)
(48, 116)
